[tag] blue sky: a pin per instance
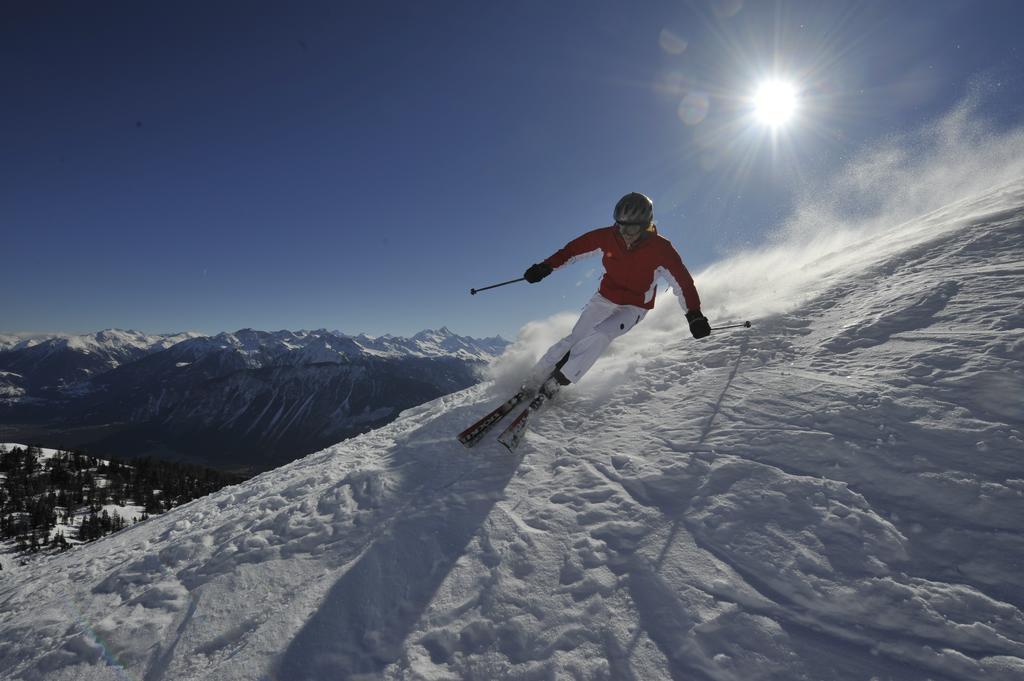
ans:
(361, 166)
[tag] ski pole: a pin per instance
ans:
(745, 325)
(474, 291)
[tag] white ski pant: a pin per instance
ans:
(601, 322)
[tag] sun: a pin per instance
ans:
(775, 103)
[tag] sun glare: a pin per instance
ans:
(775, 102)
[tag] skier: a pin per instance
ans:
(634, 256)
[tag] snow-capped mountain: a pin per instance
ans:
(41, 366)
(13, 341)
(49, 365)
(262, 348)
(433, 343)
(835, 494)
(249, 399)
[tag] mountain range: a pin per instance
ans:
(247, 400)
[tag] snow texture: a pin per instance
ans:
(835, 494)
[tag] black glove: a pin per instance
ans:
(537, 272)
(699, 325)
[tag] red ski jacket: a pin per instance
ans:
(630, 274)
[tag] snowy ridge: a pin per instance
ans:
(34, 367)
(14, 341)
(112, 341)
(433, 343)
(836, 494)
(263, 348)
(116, 340)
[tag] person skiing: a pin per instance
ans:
(634, 257)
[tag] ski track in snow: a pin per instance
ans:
(837, 494)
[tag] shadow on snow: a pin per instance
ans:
(444, 496)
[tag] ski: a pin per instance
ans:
(470, 436)
(513, 435)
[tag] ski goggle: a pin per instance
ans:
(632, 229)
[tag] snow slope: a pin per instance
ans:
(837, 493)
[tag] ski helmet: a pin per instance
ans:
(634, 209)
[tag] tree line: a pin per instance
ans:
(40, 492)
